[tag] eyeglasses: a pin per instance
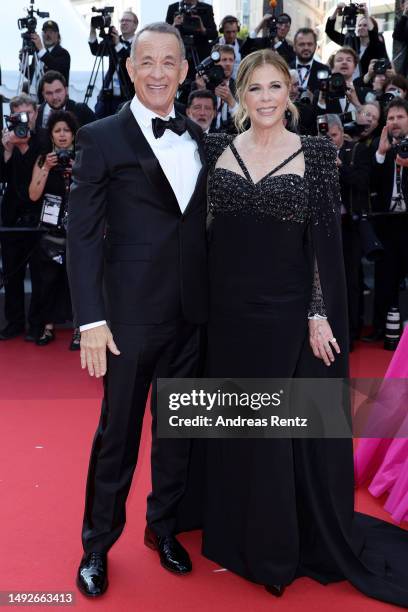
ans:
(127, 21)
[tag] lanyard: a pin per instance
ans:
(303, 79)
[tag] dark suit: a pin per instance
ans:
(81, 111)
(57, 59)
(285, 50)
(400, 34)
(313, 81)
(392, 231)
(201, 41)
(137, 261)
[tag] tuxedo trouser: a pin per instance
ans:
(148, 352)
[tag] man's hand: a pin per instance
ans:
(352, 95)
(94, 343)
(224, 92)
(262, 24)
(37, 41)
(114, 35)
(178, 20)
(322, 341)
(201, 82)
(201, 27)
(384, 145)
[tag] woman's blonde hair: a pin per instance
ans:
(245, 71)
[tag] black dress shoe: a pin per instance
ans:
(47, 337)
(92, 578)
(76, 341)
(375, 336)
(11, 331)
(275, 589)
(173, 556)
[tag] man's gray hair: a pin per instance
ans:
(334, 120)
(23, 98)
(160, 27)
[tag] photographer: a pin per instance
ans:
(378, 70)
(341, 97)
(390, 183)
(307, 67)
(49, 187)
(278, 29)
(49, 50)
(202, 109)
(19, 249)
(368, 43)
(195, 21)
(54, 90)
(229, 29)
(117, 85)
(302, 99)
(224, 91)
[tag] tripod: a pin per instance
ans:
(106, 49)
(29, 73)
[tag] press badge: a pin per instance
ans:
(51, 209)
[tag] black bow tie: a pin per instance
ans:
(175, 124)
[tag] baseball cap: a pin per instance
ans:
(50, 25)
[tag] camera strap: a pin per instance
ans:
(398, 201)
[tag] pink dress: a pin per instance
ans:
(384, 462)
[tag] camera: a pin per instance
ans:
(350, 12)
(64, 157)
(401, 148)
(273, 25)
(350, 126)
(29, 23)
(19, 123)
(209, 67)
(322, 125)
(333, 85)
(190, 23)
(104, 19)
(381, 66)
(305, 97)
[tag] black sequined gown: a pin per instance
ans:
(279, 509)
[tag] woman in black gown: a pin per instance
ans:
(283, 508)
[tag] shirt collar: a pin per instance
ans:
(144, 115)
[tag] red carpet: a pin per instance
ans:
(48, 413)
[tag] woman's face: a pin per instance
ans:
(362, 27)
(266, 97)
(62, 136)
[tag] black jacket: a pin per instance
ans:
(401, 35)
(58, 59)
(382, 185)
(313, 82)
(126, 233)
(81, 111)
(201, 41)
(354, 175)
(115, 59)
(375, 50)
(285, 50)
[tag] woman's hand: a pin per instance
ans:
(50, 161)
(321, 340)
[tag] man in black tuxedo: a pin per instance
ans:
(200, 25)
(49, 51)
(307, 67)
(390, 186)
(279, 43)
(54, 90)
(137, 258)
(117, 86)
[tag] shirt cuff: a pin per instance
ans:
(379, 158)
(41, 53)
(92, 39)
(119, 47)
(91, 325)
(253, 34)
(316, 317)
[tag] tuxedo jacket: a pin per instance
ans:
(58, 59)
(126, 86)
(382, 176)
(81, 111)
(133, 257)
(313, 82)
(285, 50)
(201, 41)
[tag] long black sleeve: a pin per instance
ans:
(332, 33)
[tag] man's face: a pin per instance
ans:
(396, 90)
(55, 94)
(50, 37)
(230, 33)
(397, 122)
(202, 111)
(227, 62)
(294, 87)
(337, 136)
(368, 115)
(283, 30)
(29, 109)
(156, 70)
(344, 64)
(378, 82)
(305, 47)
(128, 25)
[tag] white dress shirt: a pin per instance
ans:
(177, 155)
(303, 71)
